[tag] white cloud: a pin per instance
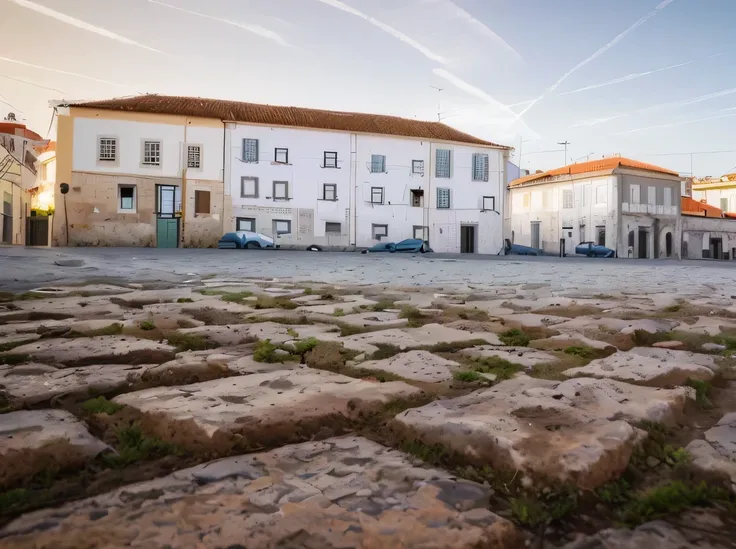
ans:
(43, 10)
(597, 54)
(337, 4)
(255, 29)
(92, 78)
(626, 78)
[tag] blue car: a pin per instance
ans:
(410, 245)
(591, 249)
(518, 249)
(245, 240)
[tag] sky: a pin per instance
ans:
(649, 79)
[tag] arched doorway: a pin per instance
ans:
(632, 238)
(668, 244)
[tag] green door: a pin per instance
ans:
(167, 233)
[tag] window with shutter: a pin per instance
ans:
(442, 166)
(480, 167)
(378, 163)
(250, 150)
(443, 199)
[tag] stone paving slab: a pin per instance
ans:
(415, 365)
(33, 384)
(429, 334)
(337, 494)
(574, 430)
(259, 407)
(33, 441)
(617, 325)
(525, 356)
(650, 366)
(234, 334)
(652, 535)
(96, 350)
(717, 453)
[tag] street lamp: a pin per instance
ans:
(565, 143)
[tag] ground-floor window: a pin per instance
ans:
(379, 231)
(333, 228)
(601, 236)
(126, 198)
(201, 202)
(668, 244)
(281, 226)
(421, 232)
(245, 224)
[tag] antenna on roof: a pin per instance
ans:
(439, 106)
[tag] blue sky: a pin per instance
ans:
(650, 78)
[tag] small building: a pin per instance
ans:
(307, 177)
(623, 204)
(707, 231)
(719, 192)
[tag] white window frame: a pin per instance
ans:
(425, 232)
(276, 185)
(253, 159)
(134, 208)
(115, 161)
(417, 167)
(375, 227)
(441, 174)
(667, 197)
(449, 198)
(333, 223)
(634, 193)
(381, 191)
(188, 157)
(481, 167)
(250, 220)
(652, 195)
(568, 199)
(255, 186)
(378, 163)
(332, 160)
(333, 189)
(278, 232)
(150, 163)
(489, 204)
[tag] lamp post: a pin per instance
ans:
(565, 143)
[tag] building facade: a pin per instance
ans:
(137, 178)
(717, 192)
(306, 177)
(626, 205)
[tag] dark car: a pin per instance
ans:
(591, 249)
(245, 239)
(410, 245)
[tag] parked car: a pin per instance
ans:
(591, 249)
(245, 240)
(410, 245)
(518, 249)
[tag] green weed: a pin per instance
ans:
(383, 305)
(147, 325)
(702, 392)
(5, 347)
(185, 300)
(14, 358)
(14, 499)
(305, 345)
(133, 446)
(189, 342)
(467, 377)
(236, 297)
(100, 405)
(265, 351)
(582, 352)
(671, 498)
(515, 338)
(338, 312)
(501, 368)
(385, 350)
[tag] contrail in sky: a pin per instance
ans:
(255, 29)
(30, 83)
(429, 54)
(92, 78)
(598, 53)
(672, 124)
(43, 10)
(632, 76)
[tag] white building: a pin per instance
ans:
(623, 204)
(344, 180)
(718, 192)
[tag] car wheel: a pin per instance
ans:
(314, 248)
(251, 245)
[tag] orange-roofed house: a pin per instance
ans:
(629, 206)
(708, 232)
(168, 171)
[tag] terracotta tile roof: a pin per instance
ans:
(604, 164)
(271, 115)
(690, 206)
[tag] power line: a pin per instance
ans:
(30, 83)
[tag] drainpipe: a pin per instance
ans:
(224, 188)
(183, 183)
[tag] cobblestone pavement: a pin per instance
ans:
(206, 399)
(22, 268)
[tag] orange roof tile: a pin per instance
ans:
(604, 164)
(238, 111)
(694, 207)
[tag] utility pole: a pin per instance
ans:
(439, 104)
(565, 143)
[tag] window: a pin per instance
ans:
(634, 194)
(201, 202)
(107, 149)
(600, 195)
(379, 231)
(567, 199)
(378, 163)
(526, 200)
(376, 195)
(417, 198)
(250, 150)
(281, 190)
(480, 167)
(443, 199)
(168, 200)
(421, 232)
(249, 187)
(152, 153)
(126, 199)
(45, 172)
(281, 226)
(652, 195)
(329, 191)
(281, 156)
(489, 203)
(417, 167)
(194, 156)
(333, 228)
(442, 166)
(601, 232)
(724, 202)
(245, 224)
(330, 160)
